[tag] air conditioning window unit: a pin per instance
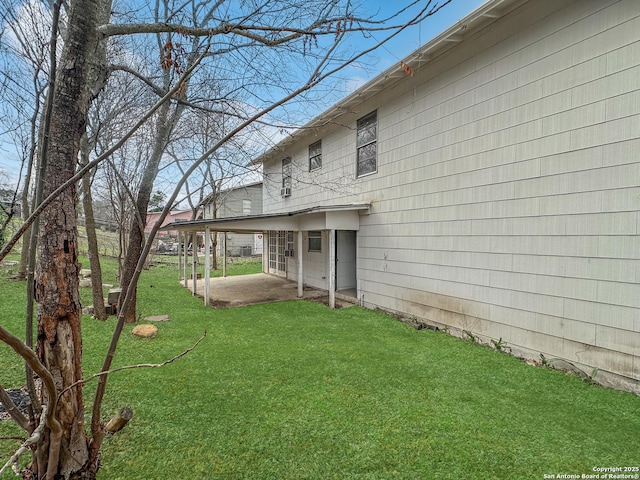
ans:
(285, 192)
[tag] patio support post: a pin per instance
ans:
(207, 265)
(224, 256)
(300, 270)
(185, 250)
(180, 270)
(332, 268)
(194, 263)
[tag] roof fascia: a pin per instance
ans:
(485, 14)
(336, 216)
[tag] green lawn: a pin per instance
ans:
(294, 390)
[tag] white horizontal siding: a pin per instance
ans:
(507, 196)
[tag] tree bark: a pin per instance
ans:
(64, 455)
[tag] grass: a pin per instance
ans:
(294, 390)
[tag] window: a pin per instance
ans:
(315, 241)
(366, 144)
(286, 173)
(290, 241)
(315, 155)
(273, 250)
(282, 236)
(246, 207)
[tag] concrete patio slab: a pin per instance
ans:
(235, 291)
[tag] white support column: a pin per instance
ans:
(185, 250)
(300, 265)
(180, 269)
(265, 252)
(224, 255)
(194, 264)
(207, 265)
(332, 268)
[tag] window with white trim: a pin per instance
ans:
(315, 155)
(366, 144)
(315, 241)
(286, 172)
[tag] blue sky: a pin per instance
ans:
(377, 62)
(412, 38)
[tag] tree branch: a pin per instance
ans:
(89, 166)
(32, 440)
(12, 410)
(130, 367)
(33, 361)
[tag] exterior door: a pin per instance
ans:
(345, 260)
(277, 246)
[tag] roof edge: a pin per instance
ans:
(492, 10)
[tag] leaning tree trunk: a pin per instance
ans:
(165, 125)
(57, 284)
(92, 239)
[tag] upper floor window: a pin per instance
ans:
(286, 176)
(246, 207)
(315, 155)
(366, 144)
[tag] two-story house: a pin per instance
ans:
(239, 201)
(489, 184)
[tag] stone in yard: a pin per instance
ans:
(157, 318)
(88, 310)
(85, 272)
(145, 331)
(85, 282)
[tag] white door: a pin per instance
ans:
(345, 259)
(277, 246)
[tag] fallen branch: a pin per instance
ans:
(32, 440)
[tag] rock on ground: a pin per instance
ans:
(157, 318)
(145, 331)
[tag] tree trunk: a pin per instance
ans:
(164, 127)
(24, 196)
(57, 284)
(92, 239)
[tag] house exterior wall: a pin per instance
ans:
(506, 200)
(230, 204)
(315, 271)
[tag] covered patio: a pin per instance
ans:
(239, 290)
(336, 221)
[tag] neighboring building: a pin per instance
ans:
(238, 201)
(490, 184)
(172, 217)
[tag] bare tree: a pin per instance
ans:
(23, 82)
(255, 37)
(109, 117)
